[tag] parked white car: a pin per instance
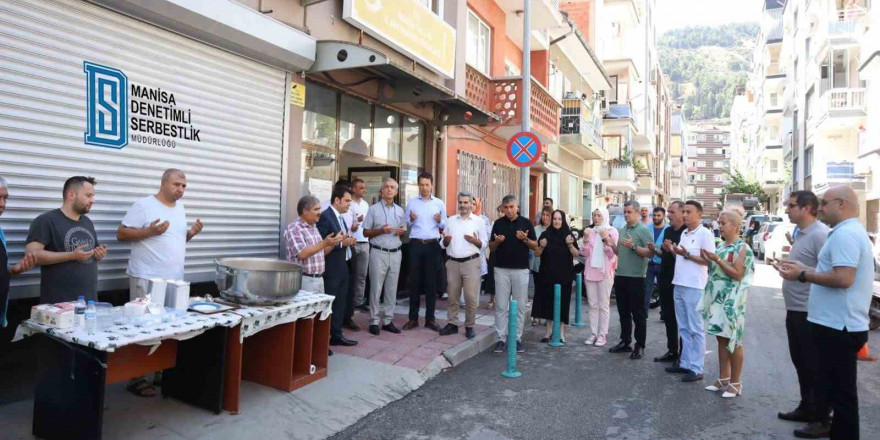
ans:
(771, 241)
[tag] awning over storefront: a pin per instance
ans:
(228, 25)
(399, 84)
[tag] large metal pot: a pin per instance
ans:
(258, 281)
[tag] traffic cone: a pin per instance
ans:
(863, 354)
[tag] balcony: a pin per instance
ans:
(621, 111)
(503, 96)
(836, 173)
(846, 25)
(773, 26)
(773, 70)
(545, 15)
(618, 177)
(580, 130)
(838, 107)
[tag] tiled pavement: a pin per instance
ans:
(416, 348)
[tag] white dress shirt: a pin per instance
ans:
(458, 226)
(344, 227)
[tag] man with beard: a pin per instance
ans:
(66, 245)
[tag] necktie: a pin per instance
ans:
(345, 231)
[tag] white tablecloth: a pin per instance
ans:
(304, 306)
(111, 338)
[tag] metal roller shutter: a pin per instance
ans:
(234, 167)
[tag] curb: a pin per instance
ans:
(468, 349)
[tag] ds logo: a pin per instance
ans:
(107, 98)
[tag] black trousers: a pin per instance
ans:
(424, 266)
(630, 295)
(805, 358)
(336, 285)
(838, 350)
(667, 311)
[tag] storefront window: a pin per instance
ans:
(387, 133)
(319, 119)
(413, 142)
(355, 135)
(318, 173)
(409, 184)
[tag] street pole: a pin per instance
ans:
(526, 98)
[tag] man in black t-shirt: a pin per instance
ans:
(511, 239)
(66, 245)
(671, 236)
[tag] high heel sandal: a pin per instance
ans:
(733, 390)
(720, 384)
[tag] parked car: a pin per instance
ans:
(773, 244)
(752, 224)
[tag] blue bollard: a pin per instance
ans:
(578, 301)
(557, 306)
(511, 343)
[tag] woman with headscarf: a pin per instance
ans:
(557, 249)
(600, 263)
(535, 264)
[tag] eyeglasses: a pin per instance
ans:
(824, 202)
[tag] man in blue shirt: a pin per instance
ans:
(659, 220)
(426, 216)
(840, 297)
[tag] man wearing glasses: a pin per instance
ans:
(840, 296)
(803, 207)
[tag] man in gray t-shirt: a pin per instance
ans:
(808, 240)
(66, 245)
(384, 225)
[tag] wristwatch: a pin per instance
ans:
(803, 276)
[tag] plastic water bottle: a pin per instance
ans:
(91, 318)
(79, 313)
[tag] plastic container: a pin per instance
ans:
(79, 317)
(91, 318)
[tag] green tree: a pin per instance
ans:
(740, 184)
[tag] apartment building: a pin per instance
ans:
(825, 131)
(678, 149)
(708, 166)
(634, 115)
(867, 163)
(758, 123)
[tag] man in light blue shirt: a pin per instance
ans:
(840, 297)
(426, 216)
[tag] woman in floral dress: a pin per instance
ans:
(724, 301)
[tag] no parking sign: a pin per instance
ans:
(524, 149)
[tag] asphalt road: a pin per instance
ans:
(584, 392)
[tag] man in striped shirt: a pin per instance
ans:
(305, 246)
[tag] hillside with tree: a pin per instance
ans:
(705, 64)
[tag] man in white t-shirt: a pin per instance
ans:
(691, 274)
(157, 229)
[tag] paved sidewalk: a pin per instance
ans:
(361, 379)
(421, 349)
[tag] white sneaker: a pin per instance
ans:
(592, 340)
(601, 340)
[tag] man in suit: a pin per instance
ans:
(336, 277)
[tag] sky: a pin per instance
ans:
(673, 14)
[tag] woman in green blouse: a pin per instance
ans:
(724, 300)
